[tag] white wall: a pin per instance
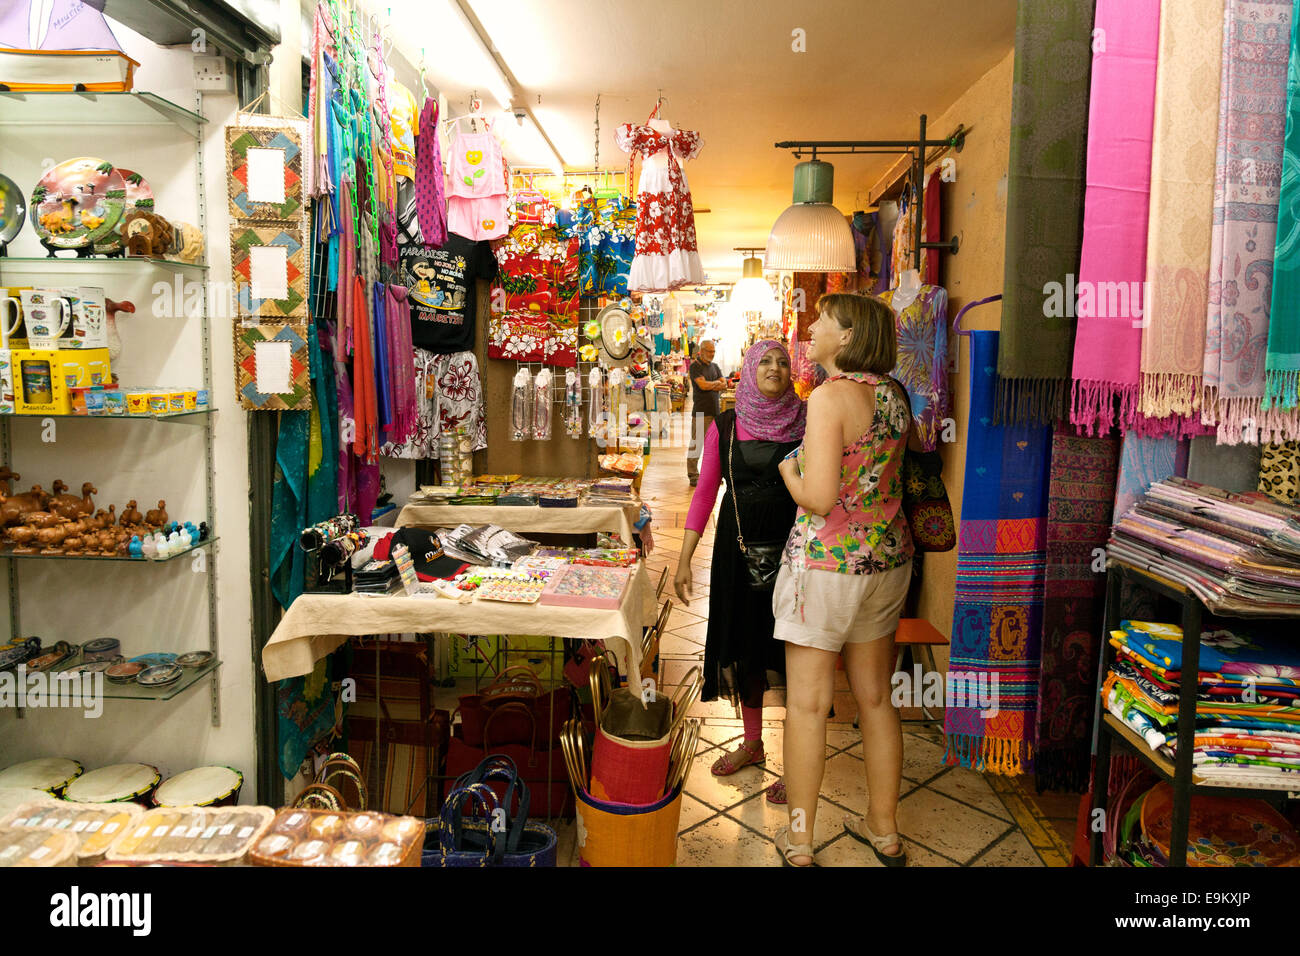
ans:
(153, 607)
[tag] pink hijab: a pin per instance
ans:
(768, 419)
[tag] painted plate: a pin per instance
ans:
(159, 675)
(139, 195)
(13, 210)
(195, 659)
(124, 672)
(78, 202)
(617, 332)
(1222, 831)
(154, 659)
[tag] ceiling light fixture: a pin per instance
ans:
(496, 82)
(753, 293)
(812, 235)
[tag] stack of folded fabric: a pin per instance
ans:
(1247, 707)
(1238, 553)
(484, 545)
(610, 491)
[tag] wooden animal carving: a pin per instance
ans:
(157, 516)
(70, 506)
(131, 515)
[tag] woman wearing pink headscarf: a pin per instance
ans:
(741, 659)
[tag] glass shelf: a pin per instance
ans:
(134, 691)
(195, 417)
(9, 553)
(96, 109)
(123, 264)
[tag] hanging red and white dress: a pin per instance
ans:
(667, 256)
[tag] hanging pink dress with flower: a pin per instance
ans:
(667, 256)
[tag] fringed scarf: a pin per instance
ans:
(997, 624)
(1182, 189)
(1080, 497)
(1108, 344)
(1282, 375)
(1248, 170)
(1045, 188)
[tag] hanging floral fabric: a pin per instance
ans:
(538, 296)
(922, 363)
(667, 256)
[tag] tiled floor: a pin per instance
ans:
(949, 816)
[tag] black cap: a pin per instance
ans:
(426, 553)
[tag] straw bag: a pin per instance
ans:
(543, 770)
(617, 834)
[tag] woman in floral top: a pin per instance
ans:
(846, 569)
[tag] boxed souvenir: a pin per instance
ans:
(7, 406)
(585, 586)
(337, 838)
(23, 846)
(84, 367)
(40, 389)
(210, 835)
(96, 71)
(95, 825)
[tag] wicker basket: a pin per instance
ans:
(95, 825)
(214, 836)
(297, 825)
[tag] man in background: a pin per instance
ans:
(706, 383)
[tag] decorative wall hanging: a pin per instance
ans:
(272, 372)
(13, 212)
(77, 203)
(270, 270)
(264, 173)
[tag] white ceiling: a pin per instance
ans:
(726, 69)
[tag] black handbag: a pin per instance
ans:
(762, 558)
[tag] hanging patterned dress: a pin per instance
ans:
(922, 364)
(667, 256)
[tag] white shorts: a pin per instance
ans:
(837, 609)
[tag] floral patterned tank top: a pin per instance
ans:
(866, 530)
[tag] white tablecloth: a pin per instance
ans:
(523, 519)
(316, 624)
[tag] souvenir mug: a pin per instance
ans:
(47, 315)
(11, 319)
(88, 327)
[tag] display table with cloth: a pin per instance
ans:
(585, 519)
(317, 624)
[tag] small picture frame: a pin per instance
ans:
(269, 264)
(272, 366)
(264, 174)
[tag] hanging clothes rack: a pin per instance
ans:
(914, 149)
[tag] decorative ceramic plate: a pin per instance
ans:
(78, 202)
(138, 196)
(155, 658)
(13, 210)
(101, 648)
(160, 675)
(1222, 831)
(124, 672)
(195, 659)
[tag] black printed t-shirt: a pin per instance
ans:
(442, 286)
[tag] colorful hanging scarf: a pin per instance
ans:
(1283, 361)
(1045, 188)
(921, 365)
(768, 419)
(1253, 85)
(1112, 264)
(1079, 502)
(998, 617)
(405, 401)
(430, 200)
(1182, 189)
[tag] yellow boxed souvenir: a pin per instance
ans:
(39, 385)
(82, 368)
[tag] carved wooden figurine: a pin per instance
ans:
(131, 515)
(157, 516)
(70, 506)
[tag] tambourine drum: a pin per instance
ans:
(51, 774)
(200, 787)
(121, 781)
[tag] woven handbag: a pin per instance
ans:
(501, 837)
(925, 502)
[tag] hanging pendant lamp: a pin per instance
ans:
(753, 293)
(812, 235)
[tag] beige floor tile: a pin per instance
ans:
(970, 787)
(693, 812)
(673, 672)
(846, 851)
(674, 645)
(724, 792)
(922, 758)
(838, 738)
(680, 617)
(715, 734)
(713, 708)
(768, 818)
(695, 632)
(724, 842)
(949, 827)
(1014, 850)
(845, 782)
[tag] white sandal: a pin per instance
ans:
(788, 849)
(875, 843)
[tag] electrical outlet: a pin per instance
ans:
(212, 75)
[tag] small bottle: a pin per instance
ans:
(148, 547)
(160, 545)
(186, 538)
(174, 542)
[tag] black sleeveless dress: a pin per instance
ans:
(741, 658)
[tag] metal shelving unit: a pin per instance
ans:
(1108, 730)
(124, 110)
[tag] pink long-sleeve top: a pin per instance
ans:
(710, 480)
